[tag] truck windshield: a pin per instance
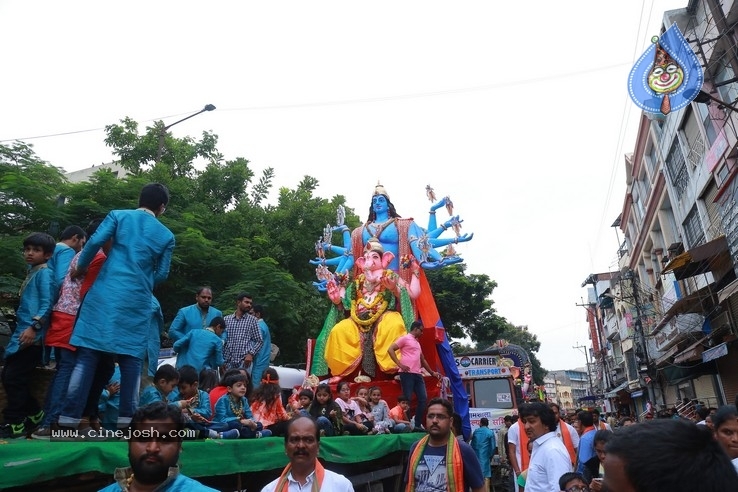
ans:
(492, 393)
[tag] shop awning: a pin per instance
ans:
(691, 303)
(715, 352)
(675, 374)
(691, 353)
(615, 391)
(707, 257)
(665, 356)
(728, 291)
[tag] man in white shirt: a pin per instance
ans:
(571, 438)
(549, 459)
(301, 444)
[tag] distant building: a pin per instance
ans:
(85, 174)
(575, 380)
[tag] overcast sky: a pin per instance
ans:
(517, 110)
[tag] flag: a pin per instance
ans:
(668, 76)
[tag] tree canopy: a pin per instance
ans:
(227, 234)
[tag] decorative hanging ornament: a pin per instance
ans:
(668, 75)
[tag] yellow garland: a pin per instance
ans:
(378, 306)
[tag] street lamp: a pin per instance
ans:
(208, 107)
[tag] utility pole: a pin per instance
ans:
(589, 373)
(642, 338)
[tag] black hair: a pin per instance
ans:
(456, 424)
(269, 392)
(208, 379)
(218, 320)
(602, 435)
(540, 410)
(153, 196)
(229, 372)
(689, 458)
(391, 212)
(724, 414)
(188, 375)
(439, 401)
(236, 378)
(243, 295)
(325, 388)
(295, 419)
(202, 288)
(41, 240)
(258, 308)
(568, 477)
(167, 372)
(416, 324)
(554, 404)
(307, 393)
(703, 412)
(586, 418)
(507, 418)
(72, 231)
(157, 410)
(483, 422)
(402, 398)
(92, 226)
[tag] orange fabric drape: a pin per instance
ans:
(566, 437)
(454, 465)
(524, 454)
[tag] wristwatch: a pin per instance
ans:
(36, 325)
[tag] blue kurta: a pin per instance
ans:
(178, 483)
(157, 327)
(189, 318)
(59, 264)
(115, 316)
(224, 412)
(35, 303)
(151, 394)
(262, 359)
(203, 403)
(199, 349)
(483, 443)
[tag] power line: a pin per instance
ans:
(364, 100)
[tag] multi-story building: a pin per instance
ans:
(571, 386)
(670, 314)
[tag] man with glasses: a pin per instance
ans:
(573, 482)
(439, 461)
(304, 471)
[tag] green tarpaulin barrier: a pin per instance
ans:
(26, 462)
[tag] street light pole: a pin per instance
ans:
(208, 107)
(589, 374)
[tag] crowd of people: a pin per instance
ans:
(582, 452)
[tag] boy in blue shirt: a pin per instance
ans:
(201, 348)
(165, 380)
(233, 417)
(194, 402)
(23, 413)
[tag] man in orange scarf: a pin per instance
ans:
(301, 444)
(439, 458)
(567, 433)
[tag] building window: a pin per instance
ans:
(723, 172)
(677, 168)
(707, 124)
(692, 137)
(693, 232)
(728, 92)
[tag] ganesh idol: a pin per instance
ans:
(388, 290)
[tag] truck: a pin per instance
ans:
(494, 379)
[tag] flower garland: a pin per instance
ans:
(377, 307)
(236, 409)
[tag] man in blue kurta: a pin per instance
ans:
(115, 316)
(201, 348)
(198, 315)
(483, 443)
(264, 357)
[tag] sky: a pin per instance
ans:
(516, 110)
